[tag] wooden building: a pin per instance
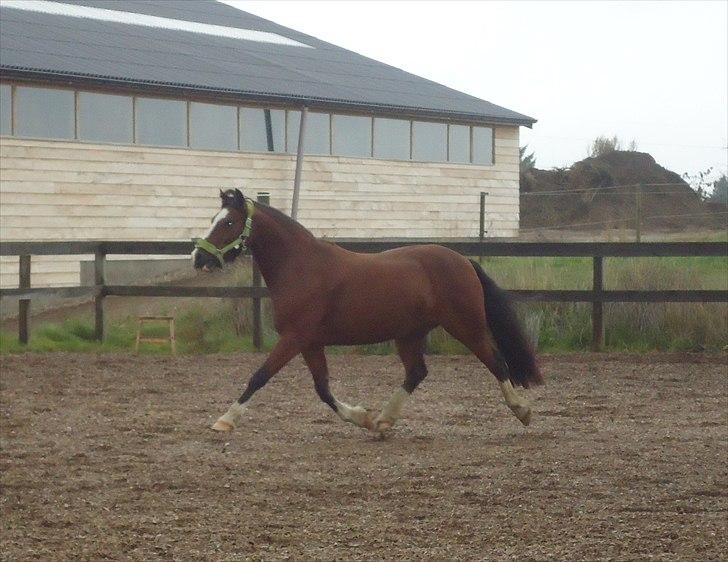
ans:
(122, 120)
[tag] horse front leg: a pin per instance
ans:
(285, 350)
(315, 359)
(412, 353)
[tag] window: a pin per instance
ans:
(352, 136)
(52, 113)
(45, 113)
(483, 145)
(429, 141)
(262, 130)
(6, 110)
(213, 126)
(458, 144)
(105, 118)
(318, 132)
(391, 139)
(161, 122)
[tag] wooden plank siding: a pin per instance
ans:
(66, 190)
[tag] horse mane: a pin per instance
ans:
(233, 198)
(283, 218)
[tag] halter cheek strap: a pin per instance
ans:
(239, 242)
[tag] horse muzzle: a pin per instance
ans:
(205, 261)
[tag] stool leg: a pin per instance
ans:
(172, 339)
(138, 336)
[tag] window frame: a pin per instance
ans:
(15, 107)
(492, 145)
(135, 127)
(263, 108)
(78, 118)
(368, 116)
(408, 158)
(236, 142)
(446, 124)
(12, 108)
(469, 157)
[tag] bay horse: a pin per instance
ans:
(325, 295)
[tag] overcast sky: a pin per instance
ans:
(655, 72)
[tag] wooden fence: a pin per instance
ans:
(597, 295)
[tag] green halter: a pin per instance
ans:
(239, 242)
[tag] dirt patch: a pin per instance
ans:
(598, 194)
(109, 458)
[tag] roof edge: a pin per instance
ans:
(70, 78)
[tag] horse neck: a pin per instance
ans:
(275, 239)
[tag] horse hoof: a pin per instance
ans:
(382, 426)
(523, 413)
(360, 416)
(222, 426)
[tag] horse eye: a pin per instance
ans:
(229, 223)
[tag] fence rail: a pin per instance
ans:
(597, 295)
(468, 247)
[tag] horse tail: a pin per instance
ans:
(509, 336)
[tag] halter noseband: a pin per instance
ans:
(239, 242)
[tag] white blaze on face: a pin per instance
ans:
(219, 217)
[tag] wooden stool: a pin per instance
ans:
(170, 338)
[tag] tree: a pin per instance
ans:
(720, 190)
(528, 161)
(604, 145)
(700, 182)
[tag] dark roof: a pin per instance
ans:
(40, 45)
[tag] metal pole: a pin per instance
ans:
(299, 164)
(269, 129)
(24, 304)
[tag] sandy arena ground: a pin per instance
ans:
(110, 458)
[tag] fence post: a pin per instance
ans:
(598, 306)
(263, 198)
(638, 212)
(100, 282)
(24, 304)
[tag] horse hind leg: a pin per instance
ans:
(517, 403)
(412, 354)
(484, 348)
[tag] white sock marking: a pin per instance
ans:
(234, 413)
(510, 394)
(518, 405)
(353, 414)
(393, 408)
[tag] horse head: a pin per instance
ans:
(229, 231)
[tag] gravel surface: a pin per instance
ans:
(109, 457)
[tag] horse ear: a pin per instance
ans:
(222, 194)
(239, 198)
